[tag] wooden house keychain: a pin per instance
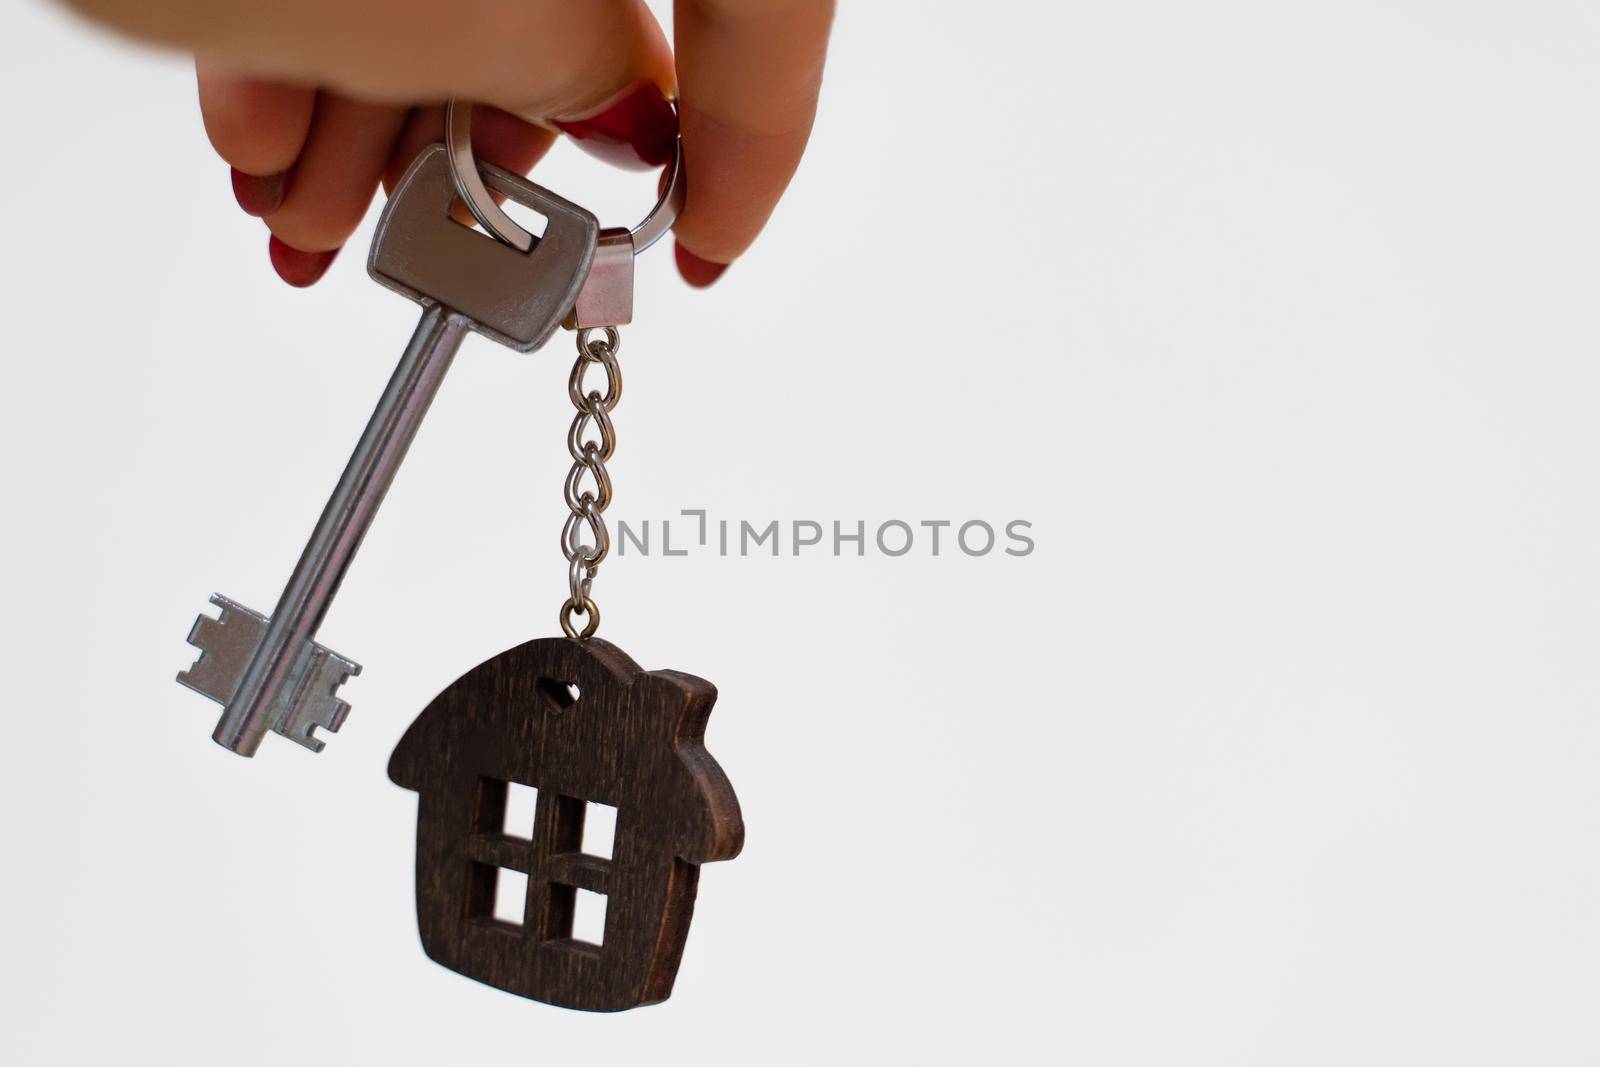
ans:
(572, 717)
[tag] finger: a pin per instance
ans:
(542, 59)
(332, 183)
(615, 101)
(748, 76)
(258, 128)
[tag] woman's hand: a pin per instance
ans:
(314, 102)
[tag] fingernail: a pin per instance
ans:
(298, 268)
(259, 194)
(635, 130)
(696, 271)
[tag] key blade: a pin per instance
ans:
(228, 642)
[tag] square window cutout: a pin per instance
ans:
(522, 801)
(589, 917)
(599, 829)
(523, 215)
(526, 217)
(510, 895)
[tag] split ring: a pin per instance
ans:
(469, 185)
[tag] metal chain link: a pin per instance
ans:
(588, 485)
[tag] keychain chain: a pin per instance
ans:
(604, 300)
(587, 504)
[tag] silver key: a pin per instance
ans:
(270, 674)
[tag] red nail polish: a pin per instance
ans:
(259, 194)
(298, 268)
(635, 130)
(696, 271)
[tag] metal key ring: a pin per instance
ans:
(469, 184)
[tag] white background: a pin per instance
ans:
(1277, 320)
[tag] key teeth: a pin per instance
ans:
(315, 744)
(317, 703)
(227, 642)
(336, 720)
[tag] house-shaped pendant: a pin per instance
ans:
(582, 724)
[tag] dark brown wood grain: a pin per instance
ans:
(632, 739)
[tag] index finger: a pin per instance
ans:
(748, 76)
